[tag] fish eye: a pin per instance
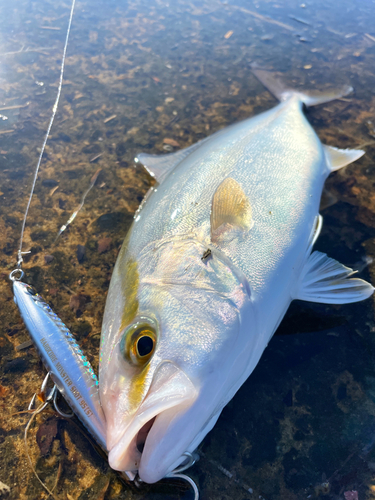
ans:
(145, 345)
(138, 343)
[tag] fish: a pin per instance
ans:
(218, 249)
(68, 367)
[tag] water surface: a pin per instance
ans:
(155, 76)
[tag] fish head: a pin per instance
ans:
(171, 352)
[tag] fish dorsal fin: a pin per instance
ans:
(159, 166)
(338, 158)
(327, 281)
(230, 208)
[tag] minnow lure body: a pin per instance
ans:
(68, 367)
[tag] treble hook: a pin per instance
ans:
(47, 397)
(58, 409)
(51, 397)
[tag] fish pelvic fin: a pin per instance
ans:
(338, 158)
(310, 98)
(326, 281)
(230, 209)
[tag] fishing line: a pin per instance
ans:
(20, 252)
(36, 412)
(54, 110)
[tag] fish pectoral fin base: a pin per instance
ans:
(230, 209)
(327, 281)
(338, 158)
(159, 166)
(310, 98)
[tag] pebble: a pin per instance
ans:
(78, 302)
(104, 245)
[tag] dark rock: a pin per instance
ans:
(111, 221)
(11, 220)
(46, 434)
(16, 365)
(64, 137)
(35, 277)
(62, 204)
(121, 149)
(48, 259)
(12, 331)
(82, 329)
(74, 174)
(49, 183)
(81, 250)
(39, 235)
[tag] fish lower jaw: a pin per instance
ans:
(133, 451)
(138, 445)
(128, 458)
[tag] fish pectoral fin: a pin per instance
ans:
(327, 281)
(230, 209)
(159, 166)
(338, 158)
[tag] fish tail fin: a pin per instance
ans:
(311, 98)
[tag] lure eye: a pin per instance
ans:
(138, 343)
(31, 290)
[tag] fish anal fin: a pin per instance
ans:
(326, 281)
(230, 209)
(338, 158)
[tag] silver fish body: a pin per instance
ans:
(69, 368)
(214, 257)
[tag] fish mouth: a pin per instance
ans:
(143, 433)
(170, 394)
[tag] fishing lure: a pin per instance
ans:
(68, 367)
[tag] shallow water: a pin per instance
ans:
(155, 76)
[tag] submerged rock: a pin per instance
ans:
(104, 245)
(81, 250)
